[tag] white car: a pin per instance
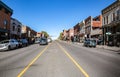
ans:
(8, 44)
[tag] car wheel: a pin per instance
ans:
(16, 46)
(9, 48)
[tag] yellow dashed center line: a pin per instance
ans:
(33, 61)
(73, 60)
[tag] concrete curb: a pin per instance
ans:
(116, 49)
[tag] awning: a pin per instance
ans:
(4, 30)
(96, 32)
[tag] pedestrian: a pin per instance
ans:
(72, 39)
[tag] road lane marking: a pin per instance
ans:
(33, 61)
(73, 60)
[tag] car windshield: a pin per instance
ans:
(93, 41)
(43, 39)
(5, 41)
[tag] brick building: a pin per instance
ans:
(96, 31)
(65, 34)
(5, 15)
(93, 27)
(39, 34)
(70, 33)
(28, 33)
(88, 27)
(77, 32)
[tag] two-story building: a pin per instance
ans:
(82, 30)
(77, 32)
(15, 29)
(28, 33)
(5, 15)
(111, 24)
(93, 27)
(38, 34)
(70, 34)
(96, 29)
(65, 34)
(88, 27)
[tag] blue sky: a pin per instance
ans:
(55, 15)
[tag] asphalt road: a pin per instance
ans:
(59, 59)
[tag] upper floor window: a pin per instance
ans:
(104, 20)
(118, 14)
(13, 28)
(107, 19)
(5, 23)
(113, 16)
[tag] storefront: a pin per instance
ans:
(112, 35)
(4, 34)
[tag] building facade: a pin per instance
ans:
(93, 27)
(111, 24)
(82, 31)
(28, 33)
(96, 29)
(77, 32)
(39, 34)
(15, 29)
(88, 27)
(5, 15)
(70, 33)
(65, 34)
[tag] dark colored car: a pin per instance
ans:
(99, 42)
(23, 42)
(43, 41)
(90, 43)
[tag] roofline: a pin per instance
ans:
(110, 5)
(6, 7)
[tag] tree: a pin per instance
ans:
(45, 34)
(60, 36)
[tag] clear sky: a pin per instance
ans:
(55, 15)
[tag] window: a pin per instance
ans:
(5, 24)
(19, 30)
(13, 28)
(104, 20)
(107, 19)
(13, 23)
(113, 16)
(118, 14)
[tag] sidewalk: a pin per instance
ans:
(111, 48)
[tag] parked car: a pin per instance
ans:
(8, 44)
(90, 43)
(99, 42)
(43, 41)
(49, 40)
(37, 40)
(23, 42)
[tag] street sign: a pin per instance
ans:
(108, 33)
